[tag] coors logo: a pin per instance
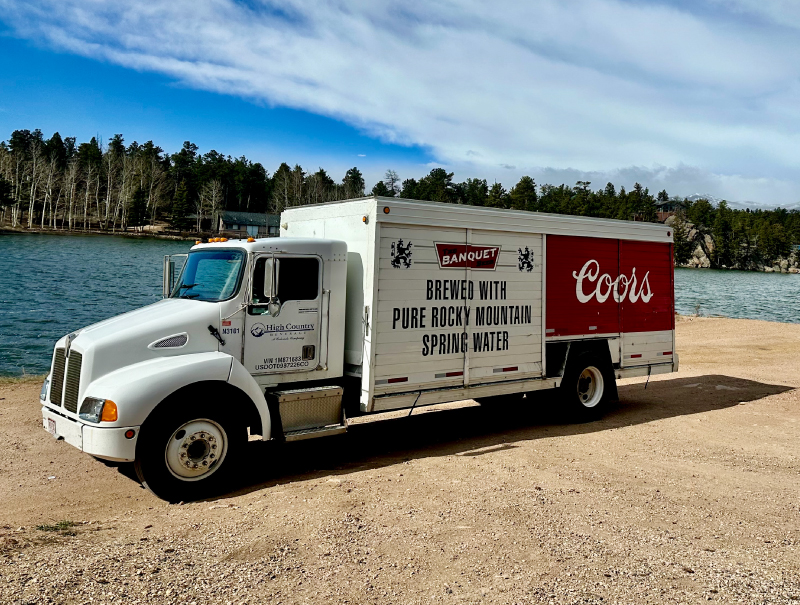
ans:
(600, 287)
(461, 256)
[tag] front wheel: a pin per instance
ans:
(585, 387)
(188, 454)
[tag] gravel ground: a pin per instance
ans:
(684, 492)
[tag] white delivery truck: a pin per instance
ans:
(361, 306)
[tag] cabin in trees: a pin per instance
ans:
(252, 224)
(665, 209)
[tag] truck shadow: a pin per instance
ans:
(473, 430)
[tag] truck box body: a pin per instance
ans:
(446, 302)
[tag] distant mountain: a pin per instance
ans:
(740, 205)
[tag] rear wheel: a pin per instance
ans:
(187, 454)
(585, 387)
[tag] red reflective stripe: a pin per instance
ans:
(514, 369)
(637, 355)
(667, 353)
(449, 374)
(392, 380)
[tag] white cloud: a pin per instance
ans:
(586, 86)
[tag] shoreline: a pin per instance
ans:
(37, 231)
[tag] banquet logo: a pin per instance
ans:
(604, 286)
(461, 256)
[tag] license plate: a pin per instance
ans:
(51, 426)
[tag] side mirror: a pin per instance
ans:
(271, 272)
(169, 274)
(168, 282)
(269, 284)
(274, 307)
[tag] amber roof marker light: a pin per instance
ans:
(386, 210)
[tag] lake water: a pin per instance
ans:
(51, 285)
(743, 294)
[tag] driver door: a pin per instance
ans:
(284, 337)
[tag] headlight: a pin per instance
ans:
(95, 410)
(43, 392)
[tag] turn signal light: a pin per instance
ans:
(109, 412)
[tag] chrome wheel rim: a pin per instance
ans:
(196, 449)
(590, 387)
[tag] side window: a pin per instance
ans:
(259, 294)
(298, 279)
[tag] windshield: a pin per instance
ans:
(210, 275)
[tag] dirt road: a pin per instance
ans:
(685, 492)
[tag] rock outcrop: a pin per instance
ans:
(704, 247)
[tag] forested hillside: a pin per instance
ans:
(58, 183)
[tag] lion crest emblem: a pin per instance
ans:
(401, 255)
(525, 260)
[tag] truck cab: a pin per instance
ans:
(177, 386)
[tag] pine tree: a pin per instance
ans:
(523, 195)
(353, 183)
(409, 190)
(437, 186)
(498, 198)
(381, 189)
(181, 208)
(138, 211)
(475, 192)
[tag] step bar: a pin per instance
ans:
(300, 414)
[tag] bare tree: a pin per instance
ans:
(72, 184)
(52, 176)
(200, 207)
(156, 181)
(211, 194)
(392, 181)
(35, 176)
(281, 194)
(91, 175)
(298, 178)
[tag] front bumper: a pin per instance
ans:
(109, 443)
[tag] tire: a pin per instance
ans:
(586, 386)
(189, 453)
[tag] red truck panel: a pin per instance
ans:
(603, 286)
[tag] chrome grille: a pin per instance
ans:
(57, 383)
(73, 381)
(172, 342)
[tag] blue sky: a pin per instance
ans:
(694, 97)
(53, 90)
